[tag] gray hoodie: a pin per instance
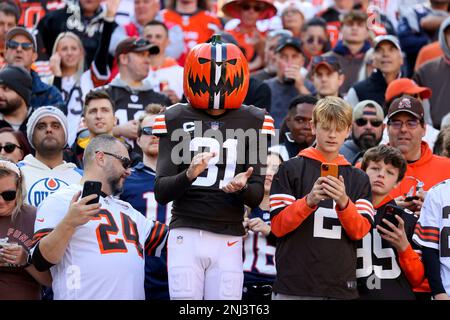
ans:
(435, 74)
(444, 46)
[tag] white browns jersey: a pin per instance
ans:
(105, 257)
(433, 227)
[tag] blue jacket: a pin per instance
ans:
(412, 40)
(43, 94)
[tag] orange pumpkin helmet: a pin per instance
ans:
(216, 75)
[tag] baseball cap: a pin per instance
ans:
(386, 38)
(406, 104)
(289, 42)
(135, 45)
(329, 61)
(359, 112)
(403, 86)
(21, 31)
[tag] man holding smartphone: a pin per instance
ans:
(318, 219)
(96, 251)
(406, 129)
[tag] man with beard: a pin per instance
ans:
(96, 251)
(15, 94)
(296, 130)
(367, 130)
(46, 171)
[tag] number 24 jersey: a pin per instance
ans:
(105, 257)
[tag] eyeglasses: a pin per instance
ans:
(256, 8)
(361, 122)
(11, 44)
(9, 147)
(319, 40)
(8, 195)
(147, 131)
(398, 124)
(126, 163)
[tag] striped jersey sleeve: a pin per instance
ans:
(282, 193)
(433, 217)
(156, 239)
(159, 127)
(365, 208)
(268, 126)
(280, 200)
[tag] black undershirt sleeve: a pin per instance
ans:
(430, 258)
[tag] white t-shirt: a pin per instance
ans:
(173, 75)
(104, 259)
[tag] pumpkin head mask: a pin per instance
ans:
(216, 75)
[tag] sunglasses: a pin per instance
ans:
(8, 195)
(361, 122)
(319, 40)
(126, 162)
(398, 124)
(327, 59)
(256, 8)
(9, 147)
(141, 42)
(11, 44)
(147, 131)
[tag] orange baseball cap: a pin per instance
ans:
(403, 86)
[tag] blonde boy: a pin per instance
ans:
(319, 219)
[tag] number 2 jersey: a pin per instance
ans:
(433, 228)
(104, 259)
(316, 247)
(239, 139)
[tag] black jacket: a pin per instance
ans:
(71, 18)
(372, 88)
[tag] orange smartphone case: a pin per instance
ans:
(329, 169)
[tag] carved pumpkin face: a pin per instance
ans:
(216, 76)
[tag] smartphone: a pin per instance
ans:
(329, 169)
(389, 214)
(92, 187)
(411, 198)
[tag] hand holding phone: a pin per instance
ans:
(92, 187)
(389, 214)
(411, 198)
